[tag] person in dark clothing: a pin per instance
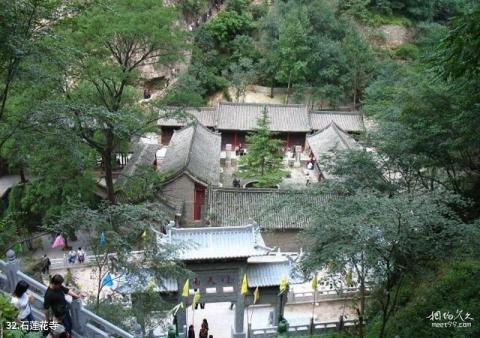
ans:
(191, 332)
(203, 333)
(205, 323)
(55, 303)
(46, 264)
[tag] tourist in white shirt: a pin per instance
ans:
(21, 300)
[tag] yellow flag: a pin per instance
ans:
(283, 283)
(244, 289)
(348, 278)
(256, 296)
(176, 308)
(144, 234)
(314, 282)
(196, 299)
(151, 284)
(186, 290)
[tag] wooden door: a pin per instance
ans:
(198, 199)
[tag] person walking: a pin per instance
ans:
(191, 332)
(22, 300)
(55, 303)
(205, 323)
(72, 256)
(46, 264)
(203, 332)
(81, 255)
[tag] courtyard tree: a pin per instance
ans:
(264, 158)
(115, 231)
(240, 75)
(382, 239)
(293, 49)
(22, 25)
(361, 63)
(111, 40)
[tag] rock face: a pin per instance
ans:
(150, 72)
(395, 35)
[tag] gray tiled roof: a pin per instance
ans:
(272, 209)
(142, 154)
(348, 121)
(287, 118)
(217, 242)
(243, 116)
(265, 274)
(330, 139)
(184, 116)
(194, 150)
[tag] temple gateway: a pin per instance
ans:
(219, 257)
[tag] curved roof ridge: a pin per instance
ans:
(340, 132)
(262, 104)
(187, 158)
(187, 108)
(344, 112)
(215, 228)
(323, 129)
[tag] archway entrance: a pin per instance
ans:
(219, 258)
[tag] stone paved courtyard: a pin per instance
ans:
(297, 180)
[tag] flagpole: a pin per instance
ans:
(313, 312)
(193, 316)
(186, 316)
(314, 288)
(250, 321)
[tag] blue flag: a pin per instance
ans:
(101, 239)
(107, 280)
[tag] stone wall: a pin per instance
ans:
(181, 192)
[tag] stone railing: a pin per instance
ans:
(300, 330)
(296, 297)
(85, 323)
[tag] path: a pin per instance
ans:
(220, 318)
(47, 241)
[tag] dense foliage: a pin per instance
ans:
(424, 172)
(402, 217)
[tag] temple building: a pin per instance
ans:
(291, 122)
(191, 165)
(326, 142)
(219, 258)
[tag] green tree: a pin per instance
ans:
(264, 158)
(227, 25)
(126, 228)
(22, 25)
(111, 41)
(450, 287)
(361, 62)
(382, 239)
(240, 75)
(293, 49)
